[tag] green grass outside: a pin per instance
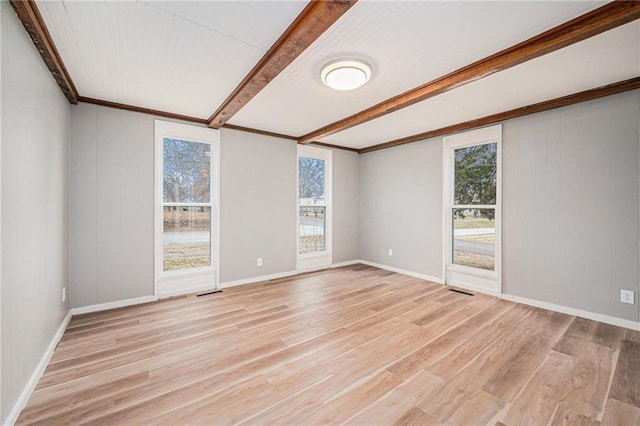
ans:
(473, 260)
(185, 257)
(472, 222)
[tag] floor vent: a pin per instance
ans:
(206, 293)
(455, 290)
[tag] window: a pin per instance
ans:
(474, 205)
(186, 204)
(472, 209)
(186, 207)
(314, 208)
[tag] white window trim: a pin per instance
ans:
(311, 261)
(172, 283)
(471, 278)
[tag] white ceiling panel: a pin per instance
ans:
(182, 57)
(407, 43)
(256, 23)
(607, 58)
(433, 114)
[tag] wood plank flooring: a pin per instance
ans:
(355, 345)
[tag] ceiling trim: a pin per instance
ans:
(259, 132)
(143, 110)
(605, 18)
(197, 120)
(283, 136)
(310, 24)
(328, 145)
(32, 21)
(587, 95)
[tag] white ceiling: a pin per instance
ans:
(186, 57)
(408, 44)
(182, 57)
(607, 58)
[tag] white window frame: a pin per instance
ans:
(184, 281)
(319, 260)
(473, 279)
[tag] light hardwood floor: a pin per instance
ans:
(355, 344)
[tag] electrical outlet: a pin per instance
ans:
(390, 252)
(64, 294)
(259, 261)
(626, 296)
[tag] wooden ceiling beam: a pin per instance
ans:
(328, 145)
(31, 18)
(587, 95)
(310, 24)
(142, 110)
(259, 132)
(197, 120)
(605, 18)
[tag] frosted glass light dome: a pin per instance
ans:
(346, 74)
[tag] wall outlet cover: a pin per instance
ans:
(259, 261)
(627, 296)
(390, 252)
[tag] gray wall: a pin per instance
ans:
(2, 415)
(346, 206)
(570, 205)
(35, 150)
(111, 205)
(401, 207)
(258, 205)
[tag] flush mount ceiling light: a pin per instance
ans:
(346, 74)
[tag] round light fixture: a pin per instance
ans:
(346, 74)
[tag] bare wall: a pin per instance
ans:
(346, 206)
(258, 202)
(111, 205)
(401, 207)
(571, 184)
(570, 205)
(2, 415)
(258, 205)
(35, 150)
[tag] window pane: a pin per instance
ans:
(187, 237)
(186, 174)
(310, 181)
(474, 238)
(476, 174)
(312, 225)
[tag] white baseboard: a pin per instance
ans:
(46, 357)
(113, 305)
(258, 279)
(573, 311)
(531, 302)
(37, 373)
(403, 271)
(281, 275)
(347, 263)
(188, 283)
(189, 290)
(476, 289)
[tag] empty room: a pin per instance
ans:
(304, 212)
